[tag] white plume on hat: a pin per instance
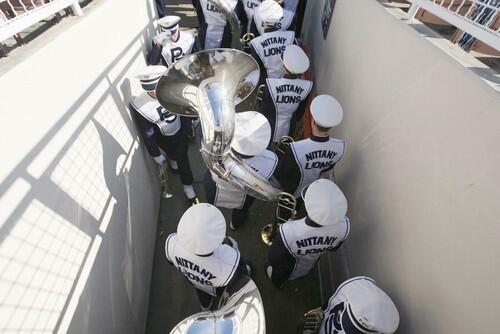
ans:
(252, 133)
(326, 111)
(270, 11)
(372, 307)
(325, 203)
(295, 59)
(202, 229)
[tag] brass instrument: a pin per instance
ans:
(245, 41)
(285, 210)
(284, 141)
(163, 181)
(259, 95)
(312, 321)
(208, 84)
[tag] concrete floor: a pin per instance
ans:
(172, 298)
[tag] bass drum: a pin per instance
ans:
(242, 312)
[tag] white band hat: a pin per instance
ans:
(202, 229)
(149, 76)
(270, 12)
(326, 111)
(295, 59)
(252, 133)
(325, 203)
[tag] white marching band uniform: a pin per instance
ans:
(306, 160)
(269, 47)
(306, 243)
(284, 100)
(171, 44)
(215, 26)
(173, 51)
(205, 273)
(286, 95)
(315, 157)
(300, 243)
(198, 252)
(168, 123)
(250, 6)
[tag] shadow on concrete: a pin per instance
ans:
(93, 261)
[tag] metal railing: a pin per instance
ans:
(476, 18)
(17, 15)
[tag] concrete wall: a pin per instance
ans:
(78, 195)
(422, 166)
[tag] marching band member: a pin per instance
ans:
(359, 306)
(286, 22)
(268, 47)
(299, 243)
(249, 6)
(284, 99)
(162, 129)
(251, 137)
(215, 32)
(171, 44)
(304, 161)
(202, 253)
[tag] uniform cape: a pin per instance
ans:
(206, 273)
(314, 157)
(306, 243)
(269, 47)
(168, 123)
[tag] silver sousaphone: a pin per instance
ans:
(241, 313)
(209, 84)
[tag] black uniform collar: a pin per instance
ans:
(205, 255)
(310, 222)
(320, 139)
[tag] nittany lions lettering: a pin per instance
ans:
(314, 156)
(320, 154)
(204, 276)
(269, 50)
(288, 88)
(212, 8)
(251, 5)
(306, 243)
(205, 273)
(269, 47)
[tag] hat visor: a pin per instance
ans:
(350, 325)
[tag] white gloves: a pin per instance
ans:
(160, 38)
(160, 159)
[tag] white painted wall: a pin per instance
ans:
(78, 195)
(422, 167)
